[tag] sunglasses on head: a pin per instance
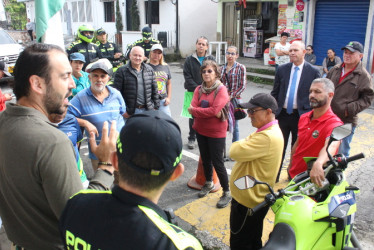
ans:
(207, 71)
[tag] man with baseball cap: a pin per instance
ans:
(353, 89)
(149, 150)
(108, 49)
(4, 97)
(258, 155)
(98, 103)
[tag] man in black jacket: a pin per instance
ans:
(137, 84)
(192, 76)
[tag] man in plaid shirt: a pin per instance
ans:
(233, 75)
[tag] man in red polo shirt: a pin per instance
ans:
(314, 129)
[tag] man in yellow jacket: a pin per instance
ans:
(257, 155)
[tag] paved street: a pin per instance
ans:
(211, 225)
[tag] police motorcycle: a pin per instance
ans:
(308, 216)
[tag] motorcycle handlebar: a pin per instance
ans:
(259, 206)
(355, 157)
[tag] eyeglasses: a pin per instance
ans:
(207, 71)
(252, 111)
(230, 53)
(308, 49)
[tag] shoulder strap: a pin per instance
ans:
(200, 92)
(180, 238)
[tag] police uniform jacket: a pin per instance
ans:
(89, 50)
(146, 46)
(119, 219)
(108, 50)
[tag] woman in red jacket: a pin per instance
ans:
(210, 125)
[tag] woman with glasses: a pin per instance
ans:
(233, 75)
(210, 124)
(330, 61)
(163, 77)
(310, 57)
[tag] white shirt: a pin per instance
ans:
(282, 59)
(299, 72)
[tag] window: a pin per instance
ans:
(155, 13)
(88, 11)
(109, 14)
(81, 9)
(74, 9)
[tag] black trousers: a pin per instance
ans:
(211, 152)
(246, 230)
(192, 134)
(288, 124)
(30, 33)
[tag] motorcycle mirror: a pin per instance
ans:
(341, 132)
(245, 182)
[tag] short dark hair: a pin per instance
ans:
(285, 34)
(34, 60)
(143, 180)
(212, 63)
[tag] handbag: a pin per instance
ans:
(239, 113)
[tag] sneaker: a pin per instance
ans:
(224, 200)
(191, 144)
(209, 186)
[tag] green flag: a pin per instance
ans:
(45, 12)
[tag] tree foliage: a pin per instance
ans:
(119, 24)
(135, 19)
(17, 13)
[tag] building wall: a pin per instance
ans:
(369, 40)
(197, 18)
(167, 22)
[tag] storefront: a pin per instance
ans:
(247, 26)
(336, 23)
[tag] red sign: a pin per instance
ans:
(300, 5)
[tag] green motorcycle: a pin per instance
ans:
(311, 217)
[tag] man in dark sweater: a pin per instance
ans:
(192, 76)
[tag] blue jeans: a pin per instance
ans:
(163, 108)
(345, 143)
(235, 133)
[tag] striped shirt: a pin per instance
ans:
(235, 80)
(85, 106)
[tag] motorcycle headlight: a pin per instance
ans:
(341, 211)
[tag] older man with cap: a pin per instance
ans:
(258, 155)
(4, 97)
(353, 89)
(149, 151)
(108, 49)
(97, 104)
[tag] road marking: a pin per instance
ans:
(190, 155)
(196, 158)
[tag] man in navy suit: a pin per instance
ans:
(291, 90)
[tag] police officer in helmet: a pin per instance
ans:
(84, 45)
(146, 42)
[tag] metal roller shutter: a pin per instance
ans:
(336, 23)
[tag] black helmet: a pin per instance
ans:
(146, 32)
